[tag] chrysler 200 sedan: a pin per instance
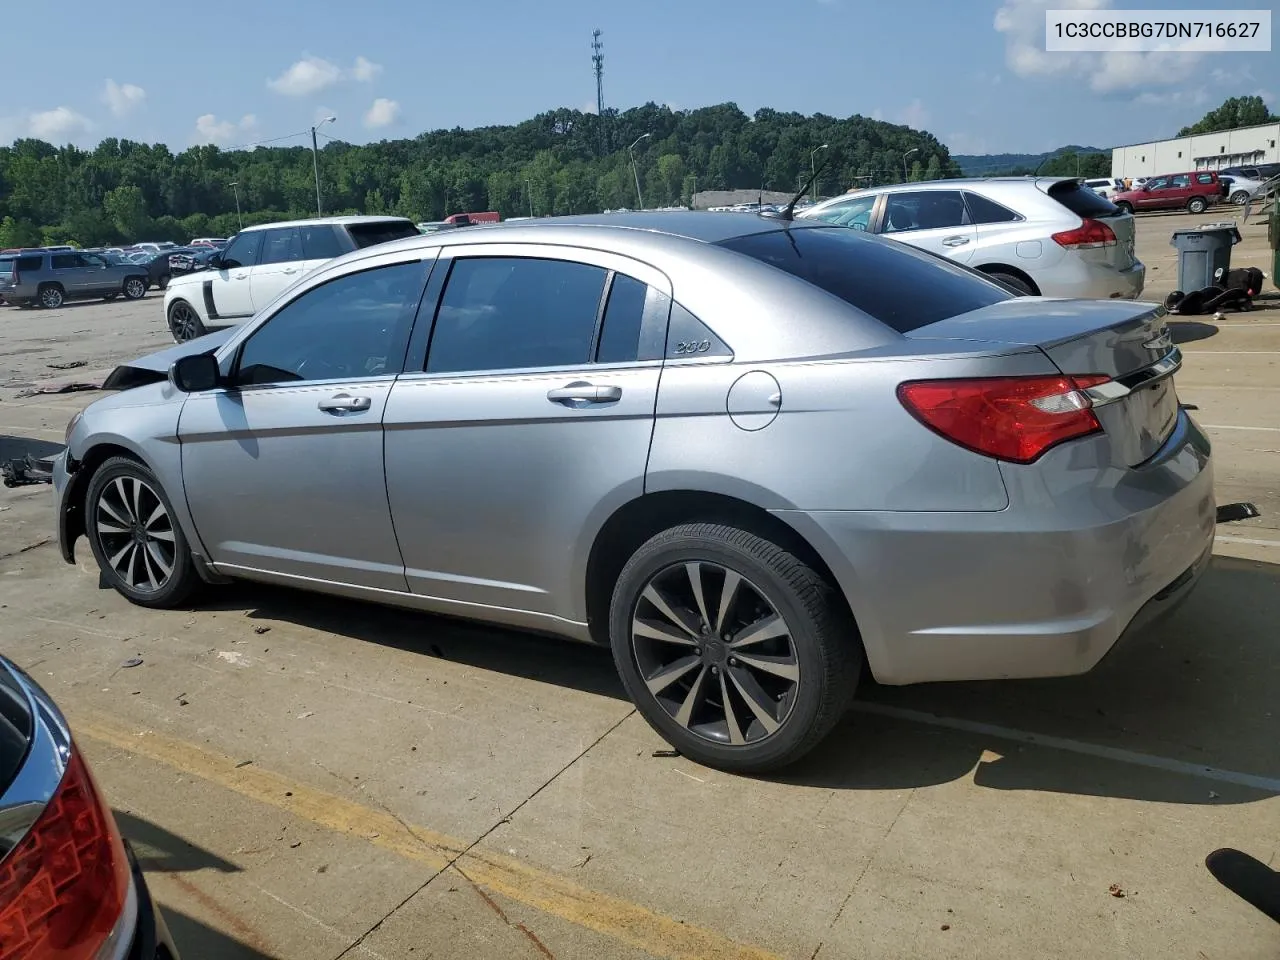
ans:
(755, 457)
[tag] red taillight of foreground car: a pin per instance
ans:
(1009, 418)
(1090, 235)
(63, 888)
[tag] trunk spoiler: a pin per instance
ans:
(154, 367)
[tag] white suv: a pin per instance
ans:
(258, 263)
(1041, 236)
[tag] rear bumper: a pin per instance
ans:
(1077, 277)
(1043, 588)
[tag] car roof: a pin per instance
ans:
(313, 221)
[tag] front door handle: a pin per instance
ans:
(581, 392)
(290, 270)
(955, 241)
(239, 276)
(344, 403)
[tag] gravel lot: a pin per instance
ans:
(308, 778)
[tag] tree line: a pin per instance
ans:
(560, 162)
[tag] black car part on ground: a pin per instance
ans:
(1248, 878)
(24, 460)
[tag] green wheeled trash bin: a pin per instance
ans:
(1202, 253)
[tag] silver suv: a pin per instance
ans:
(48, 278)
(1045, 236)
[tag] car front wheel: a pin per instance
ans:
(139, 546)
(135, 288)
(1124, 207)
(184, 322)
(1240, 197)
(735, 650)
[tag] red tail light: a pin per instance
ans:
(63, 888)
(1009, 418)
(1090, 235)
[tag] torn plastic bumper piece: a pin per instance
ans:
(1230, 512)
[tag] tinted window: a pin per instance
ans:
(6, 267)
(854, 213)
(65, 261)
(1158, 183)
(1082, 201)
(925, 210)
(320, 242)
(1200, 178)
(30, 263)
(92, 260)
(281, 246)
(243, 250)
(367, 234)
(623, 317)
(355, 326)
(1184, 180)
(982, 210)
(501, 313)
(902, 287)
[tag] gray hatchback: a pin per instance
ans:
(50, 278)
(753, 457)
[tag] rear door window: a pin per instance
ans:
(1204, 177)
(1082, 201)
(29, 263)
(368, 234)
(623, 316)
(65, 261)
(902, 287)
(512, 313)
(923, 210)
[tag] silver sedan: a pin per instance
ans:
(755, 457)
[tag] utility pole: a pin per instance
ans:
(636, 170)
(597, 63)
(235, 185)
(315, 160)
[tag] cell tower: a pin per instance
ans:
(597, 60)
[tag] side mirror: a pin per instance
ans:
(215, 262)
(196, 373)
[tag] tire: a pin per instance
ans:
(1125, 207)
(1014, 282)
(184, 323)
(1197, 205)
(130, 527)
(1240, 197)
(50, 296)
(135, 288)
(813, 664)
(163, 283)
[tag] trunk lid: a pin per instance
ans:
(1127, 342)
(1087, 204)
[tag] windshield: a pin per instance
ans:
(902, 287)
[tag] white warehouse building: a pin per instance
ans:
(1204, 151)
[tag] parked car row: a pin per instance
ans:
(48, 279)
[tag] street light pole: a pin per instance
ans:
(315, 160)
(906, 176)
(813, 170)
(636, 170)
(235, 185)
(528, 192)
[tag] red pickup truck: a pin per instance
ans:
(1172, 191)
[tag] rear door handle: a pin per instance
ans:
(581, 392)
(955, 241)
(344, 403)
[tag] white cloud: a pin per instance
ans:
(57, 125)
(122, 98)
(365, 70)
(209, 129)
(309, 75)
(1022, 22)
(913, 115)
(383, 113)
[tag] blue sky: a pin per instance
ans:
(972, 72)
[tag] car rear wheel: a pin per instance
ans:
(135, 288)
(50, 296)
(1124, 206)
(139, 546)
(735, 650)
(184, 322)
(1013, 282)
(1197, 205)
(1240, 197)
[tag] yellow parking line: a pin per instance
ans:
(614, 917)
